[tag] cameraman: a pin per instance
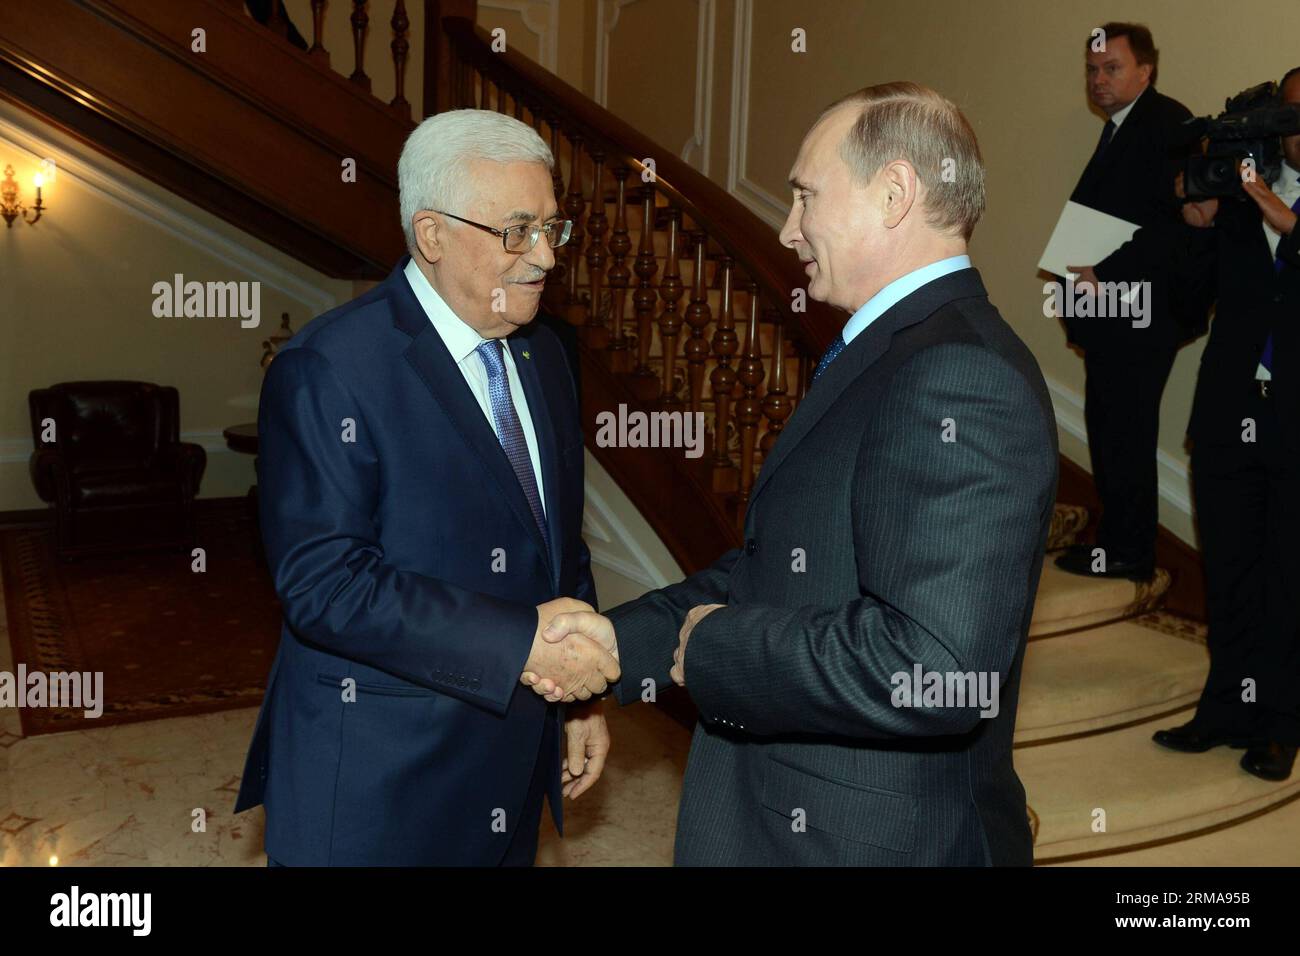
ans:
(1245, 431)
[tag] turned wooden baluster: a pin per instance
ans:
(484, 92)
(620, 243)
(401, 46)
(751, 373)
(574, 204)
(318, 50)
(595, 332)
(723, 380)
(804, 372)
(698, 316)
(670, 320)
(776, 403)
(557, 178)
(276, 21)
(645, 380)
(360, 20)
(502, 105)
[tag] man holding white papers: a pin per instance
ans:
(1130, 176)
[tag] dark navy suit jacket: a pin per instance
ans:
(385, 495)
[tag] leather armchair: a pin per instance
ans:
(117, 474)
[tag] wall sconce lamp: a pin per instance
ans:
(10, 207)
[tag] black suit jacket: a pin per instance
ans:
(1134, 180)
(1230, 264)
(872, 546)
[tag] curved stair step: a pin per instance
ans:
(1149, 794)
(1110, 676)
(1067, 522)
(1068, 602)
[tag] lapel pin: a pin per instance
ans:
(526, 355)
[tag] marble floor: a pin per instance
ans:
(136, 794)
(161, 793)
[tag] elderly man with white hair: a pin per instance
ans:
(421, 471)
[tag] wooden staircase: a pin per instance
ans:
(682, 300)
(1105, 668)
(249, 127)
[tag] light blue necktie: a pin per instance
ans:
(510, 433)
(836, 348)
(1266, 359)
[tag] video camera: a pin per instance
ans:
(1249, 130)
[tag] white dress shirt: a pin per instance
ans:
(898, 290)
(1287, 189)
(1120, 115)
(461, 341)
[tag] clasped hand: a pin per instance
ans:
(574, 654)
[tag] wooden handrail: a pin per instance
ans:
(740, 233)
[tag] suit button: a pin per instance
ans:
(751, 545)
(473, 685)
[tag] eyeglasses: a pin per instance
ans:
(523, 238)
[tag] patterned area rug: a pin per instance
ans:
(170, 641)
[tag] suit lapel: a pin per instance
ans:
(429, 357)
(1130, 129)
(860, 354)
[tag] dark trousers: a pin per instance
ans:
(1122, 413)
(1247, 498)
(523, 837)
(522, 850)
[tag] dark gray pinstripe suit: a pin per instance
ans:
(917, 550)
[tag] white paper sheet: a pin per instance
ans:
(1083, 237)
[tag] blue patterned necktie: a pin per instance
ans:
(836, 348)
(509, 432)
(1266, 359)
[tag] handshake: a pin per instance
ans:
(574, 653)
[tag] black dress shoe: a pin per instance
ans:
(1191, 739)
(1270, 761)
(1078, 559)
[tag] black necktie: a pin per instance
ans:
(1107, 134)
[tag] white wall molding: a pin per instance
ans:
(1174, 479)
(101, 176)
(542, 18)
(705, 42)
(607, 14)
(613, 544)
(607, 18)
(768, 207)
